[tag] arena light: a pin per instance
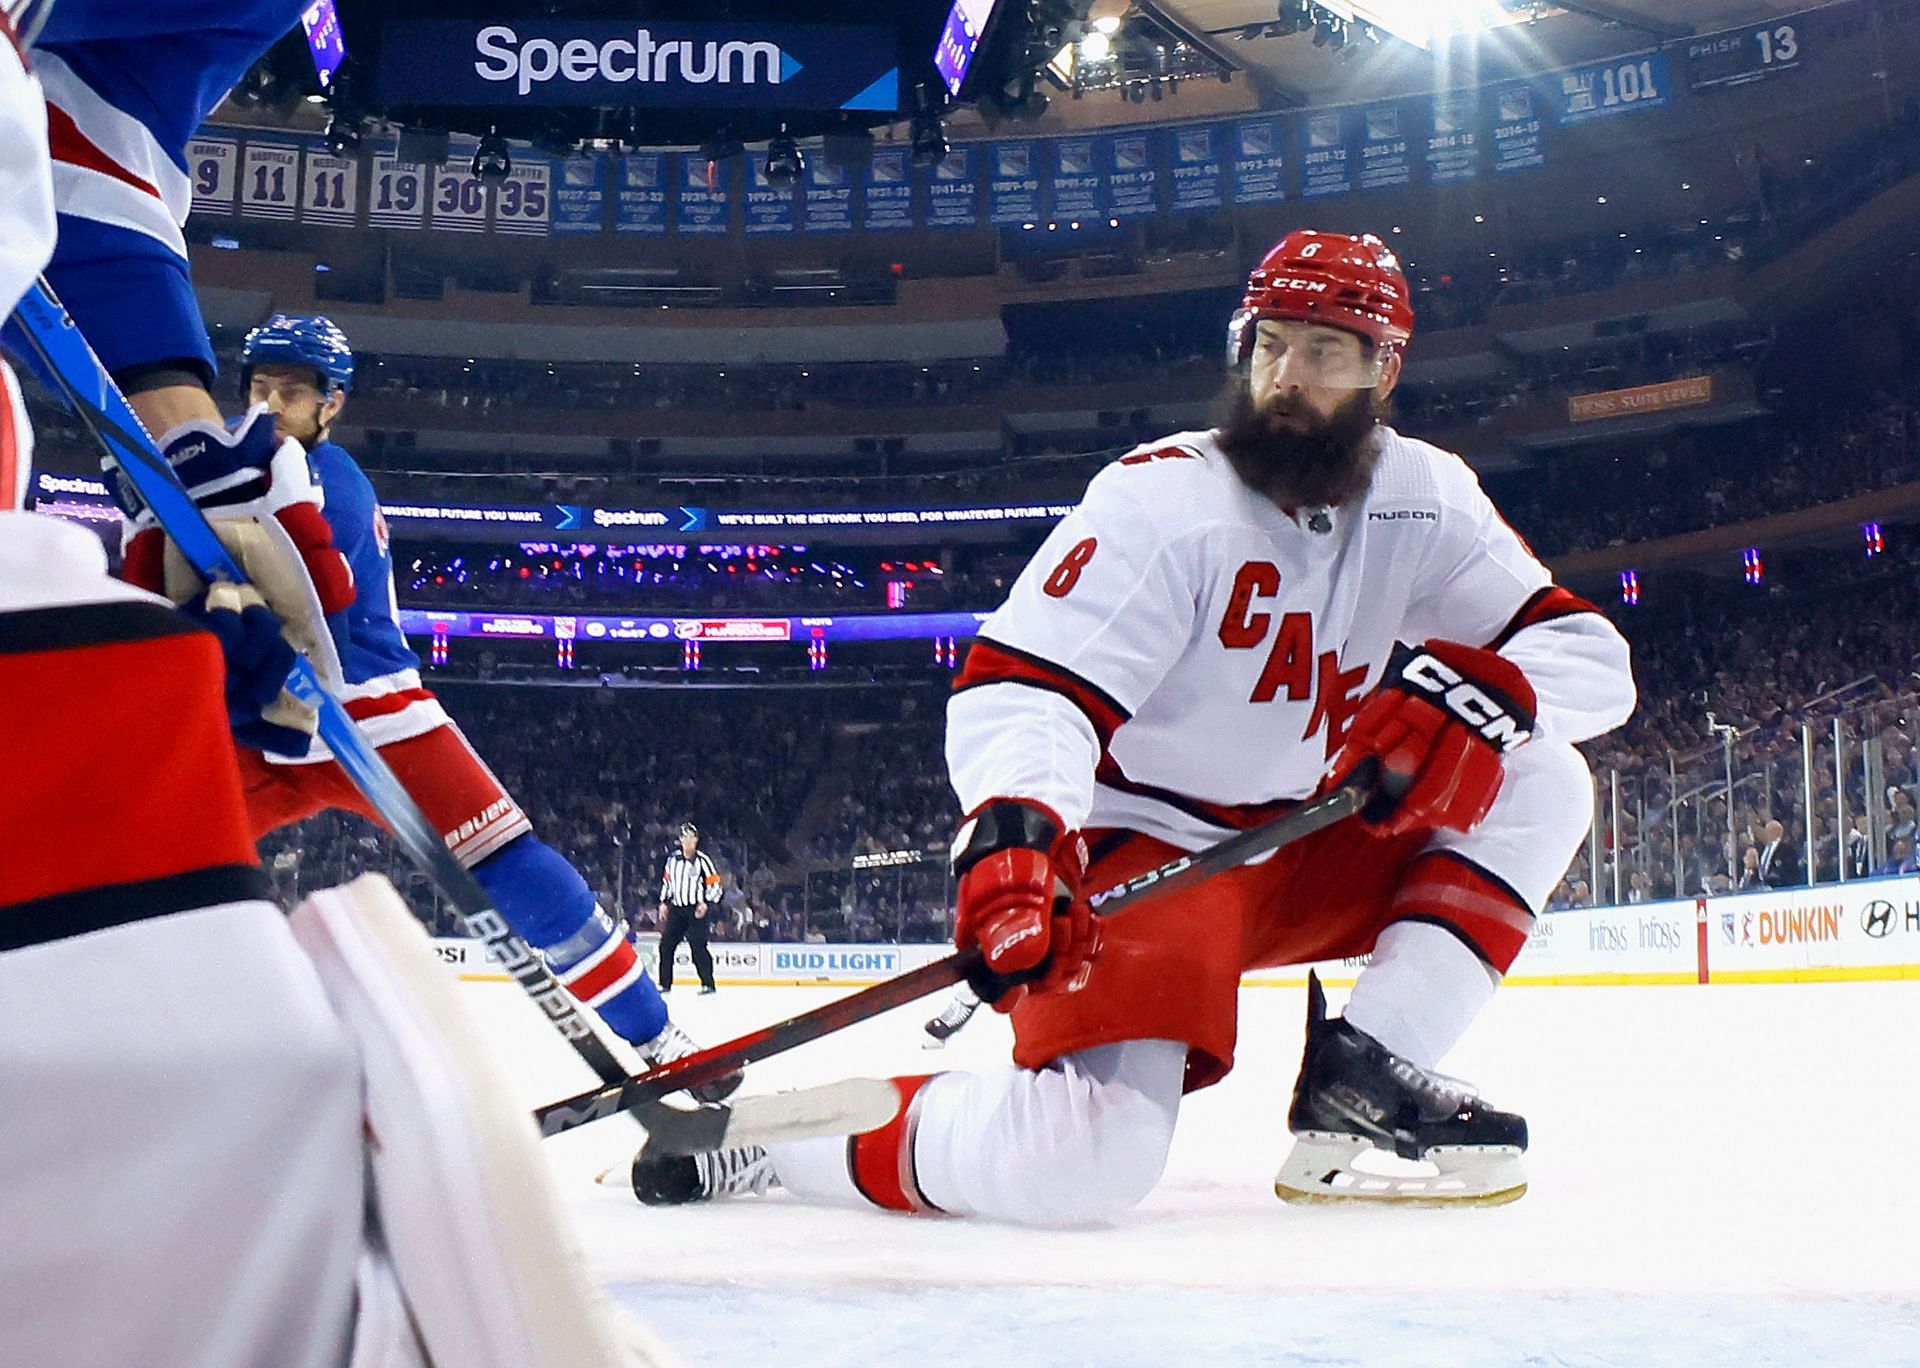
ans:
(1422, 22)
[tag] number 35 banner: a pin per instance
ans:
(520, 204)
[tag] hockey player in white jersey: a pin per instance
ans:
(1231, 619)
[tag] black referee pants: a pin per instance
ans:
(682, 925)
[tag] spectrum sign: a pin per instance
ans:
(663, 65)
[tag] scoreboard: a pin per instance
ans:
(1741, 56)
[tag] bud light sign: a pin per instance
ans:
(662, 65)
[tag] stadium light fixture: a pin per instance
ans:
(1424, 22)
(784, 162)
(491, 160)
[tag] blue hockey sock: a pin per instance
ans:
(545, 900)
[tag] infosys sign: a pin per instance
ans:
(664, 65)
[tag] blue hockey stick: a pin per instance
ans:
(69, 362)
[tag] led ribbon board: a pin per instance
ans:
(664, 65)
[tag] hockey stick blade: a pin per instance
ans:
(706, 1065)
(96, 401)
(847, 1107)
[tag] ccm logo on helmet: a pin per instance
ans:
(1488, 716)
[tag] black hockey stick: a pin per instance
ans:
(695, 1069)
(97, 402)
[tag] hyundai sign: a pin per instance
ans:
(667, 65)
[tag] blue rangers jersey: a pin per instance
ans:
(126, 85)
(384, 693)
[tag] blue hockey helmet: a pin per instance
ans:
(293, 340)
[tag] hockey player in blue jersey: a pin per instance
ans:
(126, 86)
(297, 372)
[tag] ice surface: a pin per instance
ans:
(1720, 1175)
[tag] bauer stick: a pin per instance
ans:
(1184, 872)
(97, 402)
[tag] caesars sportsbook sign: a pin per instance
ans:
(663, 65)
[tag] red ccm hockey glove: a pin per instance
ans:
(1439, 724)
(1019, 900)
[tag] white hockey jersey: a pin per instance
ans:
(1182, 657)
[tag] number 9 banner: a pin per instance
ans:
(212, 163)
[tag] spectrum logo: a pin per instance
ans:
(621, 60)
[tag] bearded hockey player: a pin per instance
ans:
(1231, 619)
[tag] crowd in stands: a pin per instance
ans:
(1728, 680)
(1666, 487)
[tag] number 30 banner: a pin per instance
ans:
(459, 196)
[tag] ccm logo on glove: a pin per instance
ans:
(1496, 720)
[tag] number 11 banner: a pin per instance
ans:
(329, 190)
(269, 180)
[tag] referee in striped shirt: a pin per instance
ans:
(689, 889)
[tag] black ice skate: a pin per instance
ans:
(956, 1014)
(1353, 1096)
(676, 1179)
(673, 1043)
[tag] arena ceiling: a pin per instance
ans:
(1291, 69)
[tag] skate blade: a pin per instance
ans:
(1320, 1171)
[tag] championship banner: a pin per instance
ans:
(1384, 160)
(459, 198)
(214, 164)
(1198, 169)
(828, 206)
(1600, 90)
(1013, 190)
(580, 196)
(953, 193)
(397, 195)
(269, 180)
(1453, 142)
(1668, 394)
(329, 189)
(767, 208)
(1259, 166)
(641, 209)
(1325, 166)
(1078, 186)
(701, 206)
(520, 202)
(1133, 185)
(889, 197)
(1516, 129)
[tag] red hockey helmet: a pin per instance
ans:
(1342, 281)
